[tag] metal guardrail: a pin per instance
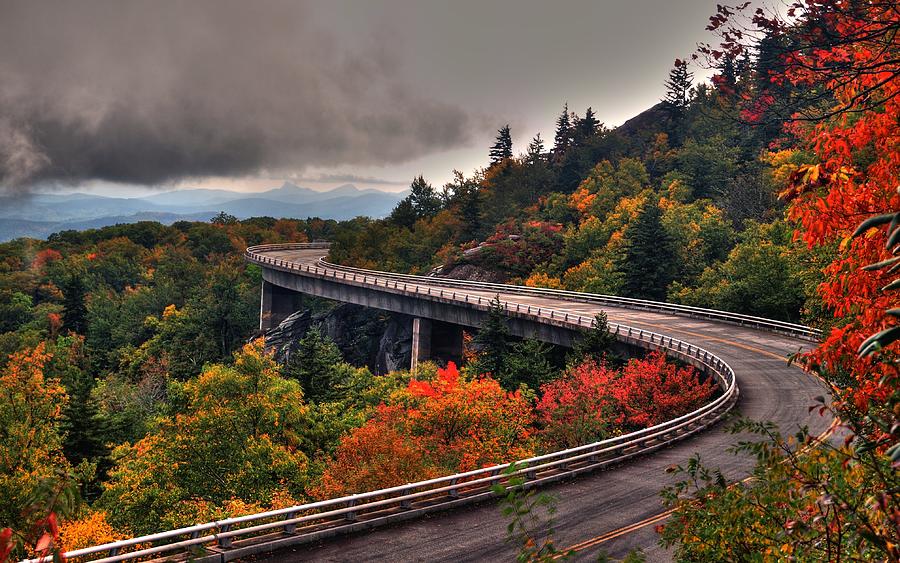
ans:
(232, 538)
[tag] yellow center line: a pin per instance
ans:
(603, 538)
(620, 532)
(782, 357)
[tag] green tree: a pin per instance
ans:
(564, 135)
(421, 203)
(404, 214)
(15, 310)
(221, 218)
(317, 364)
(709, 165)
(647, 264)
(586, 127)
(502, 147)
(464, 195)
(492, 341)
(759, 277)
(595, 343)
(535, 152)
(424, 199)
(74, 307)
(233, 435)
(79, 422)
(527, 363)
(677, 98)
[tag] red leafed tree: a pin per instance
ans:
(443, 426)
(651, 391)
(592, 401)
(838, 64)
(374, 456)
(578, 408)
(831, 501)
(466, 424)
(44, 257)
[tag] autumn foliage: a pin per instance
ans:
(447, 425)
(593, 401)
(833, 79)
(374, 456)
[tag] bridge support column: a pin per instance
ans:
(421, 342)
(436, 340)
(275, 304)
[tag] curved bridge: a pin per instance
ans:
(613, 510)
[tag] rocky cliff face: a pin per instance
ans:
(382, 341)
(471, 272)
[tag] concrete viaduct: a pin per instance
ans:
(612, 510)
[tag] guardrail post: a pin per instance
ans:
(224, 543)
(454, 493)
(290, 528)
(351, 516)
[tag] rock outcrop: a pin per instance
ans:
(382, 341)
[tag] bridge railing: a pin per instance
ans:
(242, 536)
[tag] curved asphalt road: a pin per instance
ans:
(597, 510)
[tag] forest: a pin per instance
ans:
(138, 395)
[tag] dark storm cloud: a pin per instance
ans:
(147, 92)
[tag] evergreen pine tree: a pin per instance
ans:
(528, 363)
(315, 363)
(677, 98)
(562, 141)
(492, 342)
(678, 86)
(595, 344)
(535, 150)
(647, 264)
(502, 148)
(586, 127)
(74, 307)
(727, 81)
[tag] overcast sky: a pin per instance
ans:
(126, 96)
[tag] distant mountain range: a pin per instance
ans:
(43, 214)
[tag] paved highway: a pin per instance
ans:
(614, 510)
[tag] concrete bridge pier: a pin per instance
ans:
(435, 340)
(275, 304)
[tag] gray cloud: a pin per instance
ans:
(148, 92)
